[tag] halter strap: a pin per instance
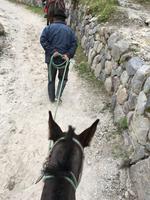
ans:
(63, 138)
(72, 180)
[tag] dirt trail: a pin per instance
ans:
(24, 109)
(135, 26)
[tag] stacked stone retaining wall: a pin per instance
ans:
(126, 77)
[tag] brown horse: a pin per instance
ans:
(64, 164)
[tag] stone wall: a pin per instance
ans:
(126, 77)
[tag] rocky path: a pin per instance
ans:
(134, 24)
(24, 109)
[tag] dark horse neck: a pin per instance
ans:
(58, 189)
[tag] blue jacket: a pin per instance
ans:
(58, 37)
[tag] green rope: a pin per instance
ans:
(57, 66)
(64, 66)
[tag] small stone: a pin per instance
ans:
(118, 113)
(108, 84)
(96, 43)
(132, 101)
(129, 117)
(138, 154)
(121, 95)
(147, 106)
(133, 65)
(140, 126)
(140, 175)
(117, 71)
(97, 70)
(139, 78)
(126, 195)
(115, 83)
(124, 78)
(113, 101)
(91, 56)
(83, 41)
(147, 146)
(108, 67)
(102, 75)
(99, 47)
(131, 193)
(127, 140)
(119, 48)
(125, 57)
(93, 19)
(141, 103)
(97, 37)
(108, 55)
(114, 37)
(126, 107)
(95, 61)
(147, 86)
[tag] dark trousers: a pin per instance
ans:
(51, 83)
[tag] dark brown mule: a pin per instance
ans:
(64, 164)
(52, 6)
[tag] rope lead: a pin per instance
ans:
(63, 65)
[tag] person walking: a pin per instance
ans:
(59, 42)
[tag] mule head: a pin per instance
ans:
(84, 138)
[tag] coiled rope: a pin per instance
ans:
(64, 66)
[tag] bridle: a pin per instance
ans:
(70, 177)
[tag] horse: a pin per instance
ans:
(63, 169)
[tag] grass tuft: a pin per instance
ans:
(84, 70)
(102, 8)
(123, 124)
(35, 9)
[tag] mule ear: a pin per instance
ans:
(86, 136)
(55, 131)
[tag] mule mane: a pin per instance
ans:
(70, 134)
(64, 166)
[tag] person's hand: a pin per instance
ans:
(65, 57)
(55, 54)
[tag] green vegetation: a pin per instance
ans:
(83, 68)
(35, 9)
(102, 8)
(123, 124)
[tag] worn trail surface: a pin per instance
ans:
(24, 109)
